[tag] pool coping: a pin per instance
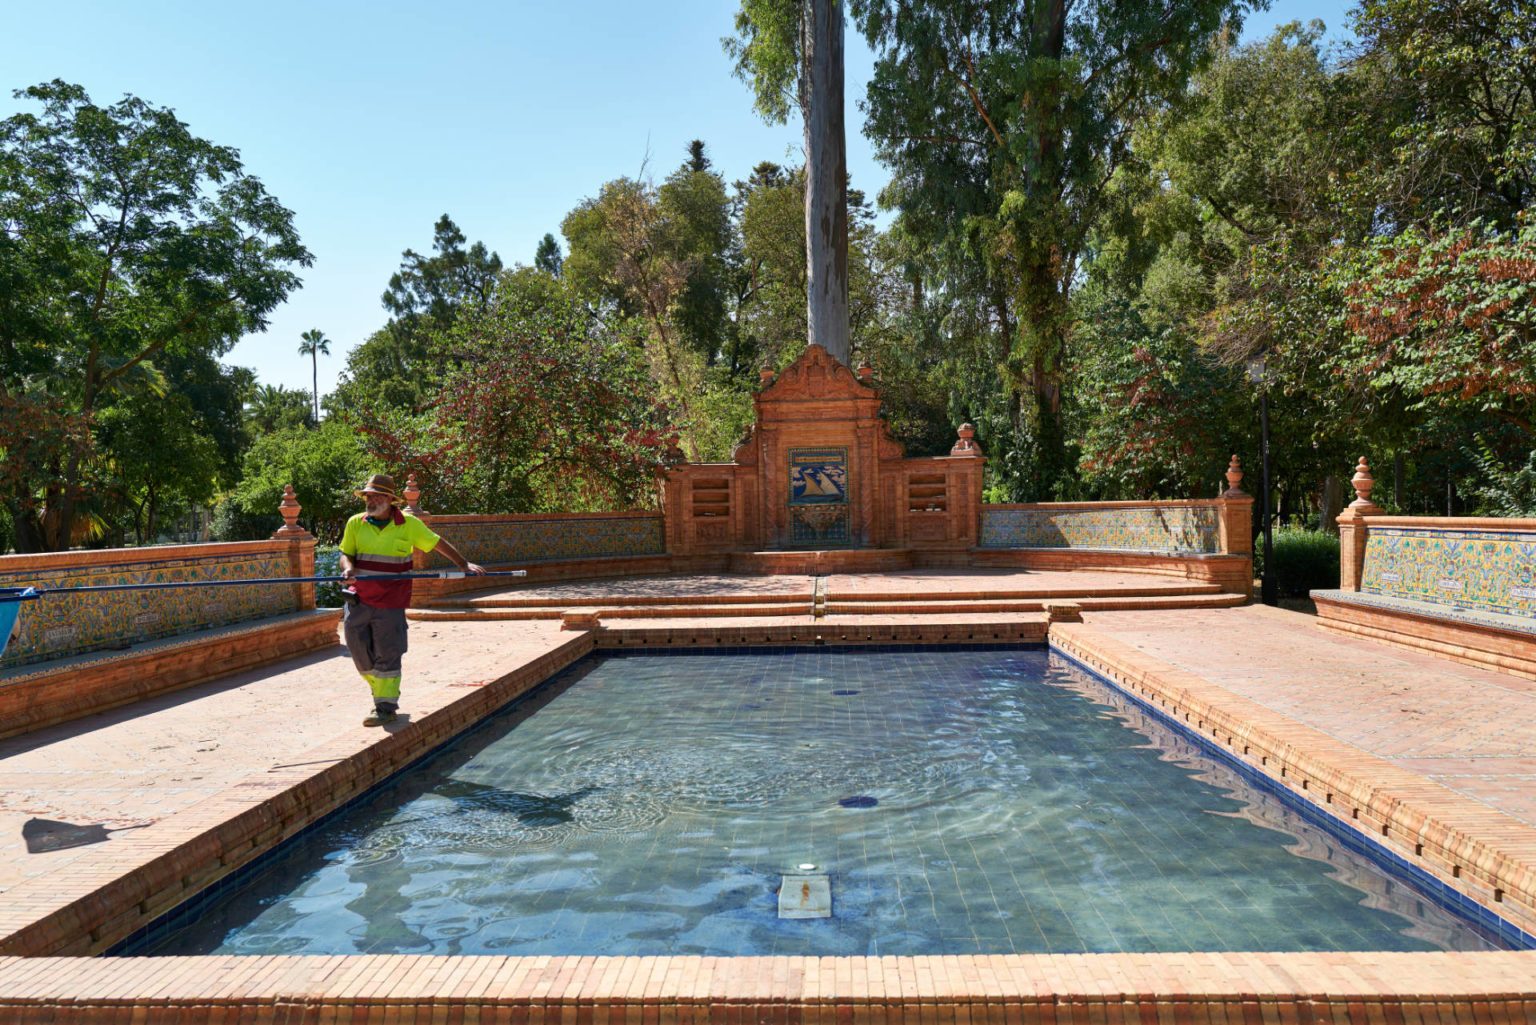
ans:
(662, 990)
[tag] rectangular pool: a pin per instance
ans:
(958, 802)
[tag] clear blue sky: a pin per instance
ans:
(369, 121)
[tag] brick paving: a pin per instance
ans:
(1468, 729)
(144, 763)
(1443, 741)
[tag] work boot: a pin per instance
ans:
(381, 714)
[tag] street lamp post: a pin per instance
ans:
(1258, 373)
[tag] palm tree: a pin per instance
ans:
(315, 345)
(273, 407)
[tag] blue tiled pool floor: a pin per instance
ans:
(960, 801)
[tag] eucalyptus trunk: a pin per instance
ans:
(826, 179)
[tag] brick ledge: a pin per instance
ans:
(48, 693)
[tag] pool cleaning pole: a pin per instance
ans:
(446, 574)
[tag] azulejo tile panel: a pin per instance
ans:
(1480, 570)
(554, 539)
(59, 625)
(1153, 528)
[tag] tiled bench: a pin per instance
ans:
(1205, 541)
(78, 651)
(1462, 589)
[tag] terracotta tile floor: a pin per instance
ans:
(143, 763)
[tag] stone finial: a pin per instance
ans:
(1363, 483)
(765, 376)
(866, 372)
(290, 509)
(966, 446)
(1234, 478)
(412, 496)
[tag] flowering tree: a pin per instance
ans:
(545, 406)
(1447, 318)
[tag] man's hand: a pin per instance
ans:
(348, 572)
(474, 569)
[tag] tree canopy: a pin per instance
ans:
(124, 238)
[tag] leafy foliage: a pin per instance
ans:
(1448, 317)
(1305, 560)
(1506, 491)
(324, 464)
(39, 437)
(1002, 123)
(550, 408)
(123, 238)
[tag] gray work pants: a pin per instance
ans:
(376, 638)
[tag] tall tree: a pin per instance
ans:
(793, 50)
(394, 366)
(1002, 122)
(315, 345)
(549, 407)
(547, 258)
(122, 237)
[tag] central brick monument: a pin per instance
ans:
(819, 471)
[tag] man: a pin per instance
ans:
(377, 543)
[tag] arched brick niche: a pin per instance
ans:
(819, 470)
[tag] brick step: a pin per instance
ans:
(1103, 604)
(967, 629)
(583, 601)
(1065, 592)
(711, 611)
(832, 608)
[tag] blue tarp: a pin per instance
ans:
(10, 606)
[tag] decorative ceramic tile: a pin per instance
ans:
(1152, 528)
(1479, 570)
(589, 537)
(60, 624)
(817, 525)
(1476, 617)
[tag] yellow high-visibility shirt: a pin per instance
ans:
(385, 550)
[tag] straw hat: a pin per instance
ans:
(378, 484)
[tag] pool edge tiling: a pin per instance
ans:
(1002, 989)
(1469, 847)
(982, 990)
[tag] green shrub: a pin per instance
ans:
(1304, 560)
(231, 523)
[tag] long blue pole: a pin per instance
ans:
(21, 594)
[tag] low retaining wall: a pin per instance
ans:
(83, 653)
(1208, 541)
(1180, 527)
(60, 626)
